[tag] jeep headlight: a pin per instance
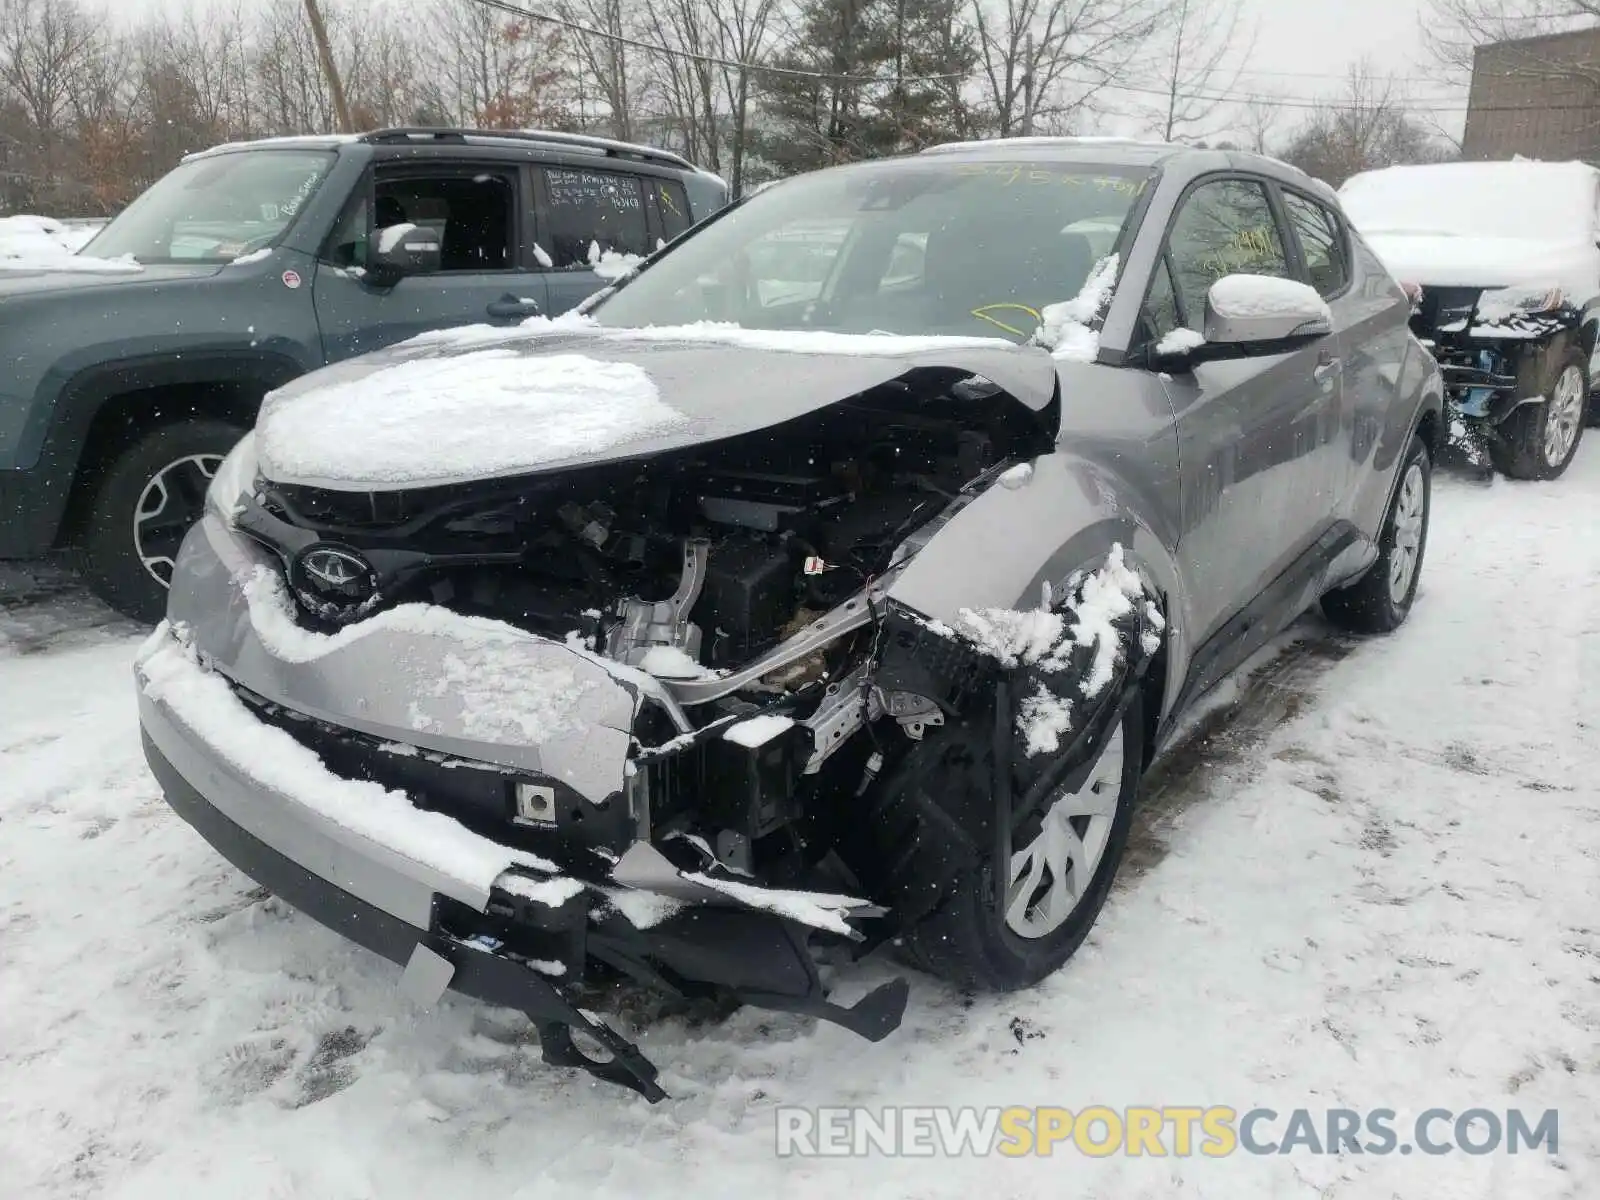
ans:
(234, 479)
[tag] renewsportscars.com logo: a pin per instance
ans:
(1157, 1132)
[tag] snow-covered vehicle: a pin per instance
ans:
(1503, 262)
(680, 638)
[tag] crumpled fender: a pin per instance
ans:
(1043, 523)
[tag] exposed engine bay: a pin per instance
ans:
(739, 573)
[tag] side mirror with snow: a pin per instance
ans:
(401, 250)
(1248, 316)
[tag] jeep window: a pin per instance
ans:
(673, 204)
(1320, 242)
(213, 210)
(590, 213)
(1223, 228)
(909, 247)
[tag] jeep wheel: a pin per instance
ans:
(1538, 441)
(142, 507)
(1060, 869)
(1379, 601)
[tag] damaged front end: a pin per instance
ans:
(655, 701)
(1484, 341)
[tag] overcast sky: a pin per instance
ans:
(1302, 49)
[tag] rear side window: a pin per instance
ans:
(673, 204)
(1224, 228)
(590, 213)
(1322, 243)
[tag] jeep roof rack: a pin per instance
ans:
(549, 137)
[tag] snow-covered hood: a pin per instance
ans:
(1439, 260)
(482, 403)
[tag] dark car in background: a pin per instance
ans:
(251, 264)
(1502, 260)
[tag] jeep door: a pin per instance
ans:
(484, 275)
(1257, 436)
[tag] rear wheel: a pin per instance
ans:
(1056, 876)
(1381, 599)
(1539, 440)
(142, 507)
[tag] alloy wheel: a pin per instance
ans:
(1051, 874)
(1564, 416)
(1410, 512)
(170, 503)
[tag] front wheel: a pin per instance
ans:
(1062, 862)
(142, 507)
(1380, 600)
(1540, 440)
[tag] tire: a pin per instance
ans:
(162, 475)
(1539, 441)
(966, 942)
(1381, 599)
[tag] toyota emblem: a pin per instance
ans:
(334, 581)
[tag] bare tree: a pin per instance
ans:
(1367, 127)
(1201, 54)
(1455, 29)
(745, 33)
(1046, 59)
(46, 46)
(1259, 122)
(604, 58)
(688, 81)
(496, 70)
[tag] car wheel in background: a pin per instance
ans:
(1538, 441)
(1379, 601)
(141, 508)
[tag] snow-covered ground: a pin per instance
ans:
(1375, 882)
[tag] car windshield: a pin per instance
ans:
(915, 247)
(215, 209)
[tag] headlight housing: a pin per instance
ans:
(1503, 303)
(235, 479)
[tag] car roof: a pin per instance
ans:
(538, 142)
(1131, 152)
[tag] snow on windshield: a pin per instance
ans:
(1511, 200)
(483, 412)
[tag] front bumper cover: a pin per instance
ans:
(523, 931)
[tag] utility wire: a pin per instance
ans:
(1303, 103)
(712, 59)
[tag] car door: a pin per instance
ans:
(1370, 330)
(484, 277)
(593, 224)
(1255, 435)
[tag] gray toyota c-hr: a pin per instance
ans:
(829, 582)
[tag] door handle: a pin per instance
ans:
(1327, 367)
(509, 306)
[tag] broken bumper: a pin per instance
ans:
(345, 821)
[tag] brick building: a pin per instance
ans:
(1538, 97)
